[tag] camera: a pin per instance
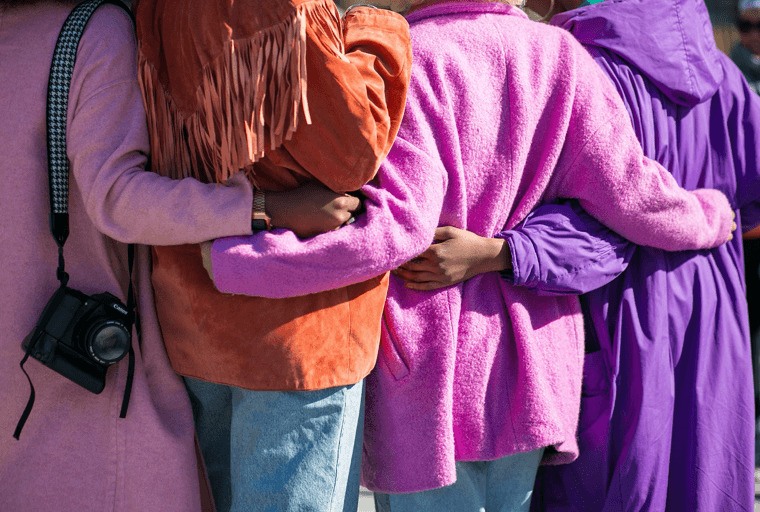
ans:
(80, 336)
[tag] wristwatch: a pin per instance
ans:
(260, 221)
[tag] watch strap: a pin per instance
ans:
(260, 221)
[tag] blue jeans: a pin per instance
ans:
(273, 451)
(502, 485)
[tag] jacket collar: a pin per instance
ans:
(449, 7)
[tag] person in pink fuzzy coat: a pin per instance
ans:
(477, 383)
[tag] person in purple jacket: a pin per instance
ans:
(667, 417)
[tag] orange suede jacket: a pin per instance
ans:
(336, 94)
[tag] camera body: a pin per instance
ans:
(80, 336)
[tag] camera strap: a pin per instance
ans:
(134, 319)
(59, 83)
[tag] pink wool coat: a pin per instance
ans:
(75, 454)
(502, 115)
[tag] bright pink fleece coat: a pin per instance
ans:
(503, 114)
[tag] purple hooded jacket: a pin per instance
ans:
(667, 417)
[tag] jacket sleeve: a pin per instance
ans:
(357, 84)
(559, 249)
(403, 206)
(603, 166)
(108, 146)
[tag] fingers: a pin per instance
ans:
(427, 286)
(446, 233)
(428, 261)
(417, 277)
(733, 229)
(343, 208)
(347, 202)
(342, 218)
(419, 265)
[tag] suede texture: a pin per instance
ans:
(310, 342)
(358, 71)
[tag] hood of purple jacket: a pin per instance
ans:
(670, 41)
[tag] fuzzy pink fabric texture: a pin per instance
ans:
(502, 115)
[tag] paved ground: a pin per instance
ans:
(366, 504)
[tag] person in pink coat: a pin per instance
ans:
(477, 383)
(75, 453)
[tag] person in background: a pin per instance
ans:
(667, 416)
(476, 384)
(746, 53)
(292, 94)
(75, 454)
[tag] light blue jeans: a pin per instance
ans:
(272, 451)
(502, 485)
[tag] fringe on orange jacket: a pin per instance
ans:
(287, 92)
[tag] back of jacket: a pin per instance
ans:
(317, 98)
(673, 324)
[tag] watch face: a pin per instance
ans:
(259, 225)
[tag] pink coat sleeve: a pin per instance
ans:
(108, 146)
(403, 204)
(603, 165)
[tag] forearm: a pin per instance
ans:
(107, 145)
(142, 207)
(402, 208)
(493, 255)
(134, 206)
(603, 166)
(646, 205)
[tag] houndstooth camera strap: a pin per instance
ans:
(59, 83)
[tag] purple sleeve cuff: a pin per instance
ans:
(524, 258)
(561, 250)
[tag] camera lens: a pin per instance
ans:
(108, 342)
